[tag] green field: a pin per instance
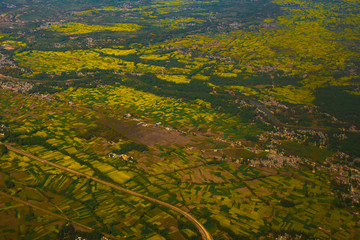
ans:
(244, 114)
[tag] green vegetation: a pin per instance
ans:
(243, 113)
(174, 78)
(127, 147)
(176, 23)
(104, 131)
(116, 52)
(81, 28)
(3, 150)
(348, 145)
(287, 203)
(303, 150)
(169, 112)
(8, 44)
(340, 103)
(55, 62)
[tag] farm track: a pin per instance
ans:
(204, 233)
(51, 213)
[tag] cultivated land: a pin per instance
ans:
(182, 119)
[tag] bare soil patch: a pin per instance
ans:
(149, 135)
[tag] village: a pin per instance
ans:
(277, 158)
(16, 86)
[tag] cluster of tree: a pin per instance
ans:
(103, 131)
(342, 202)
(186, 224)
(55, 77)
(3, 149)
(31, 140)
(9, 183)
(252, 138)
(342, 191)
(45, 88)
(341, 187)
(286, 118)
(127, 147)
(242, 80)
(338, 102)
(349, 145)
(196, 89)
(11, 71)
(287, 203)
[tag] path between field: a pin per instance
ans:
(204, 233)
(51, 213)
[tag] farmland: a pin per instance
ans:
(119, 118)
(159, 109)
(190, 179)
(81, 28)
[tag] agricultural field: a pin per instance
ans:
(81, 28)
(279, 48)
(218, 194)
(119, 117)
(170, 112)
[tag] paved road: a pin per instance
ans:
(204, 233)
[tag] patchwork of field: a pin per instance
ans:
(81, 28)
(80, 200)
(170, 112)
(77, 198)
(176, 100)
(245, 201)
(282, 47)
(154, 9)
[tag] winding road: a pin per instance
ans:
(204, 233)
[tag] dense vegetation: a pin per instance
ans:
(3, 150)
(127, 147)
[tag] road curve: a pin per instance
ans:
(204, 233)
